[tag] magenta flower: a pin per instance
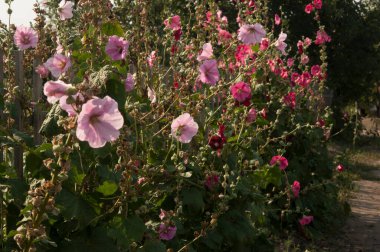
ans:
(173, 23)
(184, 128)
(58, 64)
(167, 232)
(317, 4)
(54, 90)
(296, 187)
(280, 44)
(129, 83)
(290, 62)
(316, 70)
(281, 161)
(65, 10)
(71, 108)
(206, 52)
(290, 100)
(25, 37)
(241, 91)
(251, 116)
(277, 19)
(340, 168)
(251, 34)
(216, 143)
(163, 214)
(209, 72)
(264, 44)
(306, 220)
(322, 37)
(99, 122)
(151, 58)
(304, 59)
(309, 8)
(243, 52)
(211, 181)
(223, 35)
(117, 48)
(42, 71)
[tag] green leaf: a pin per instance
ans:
(107, 188)
(22, 137)
(49, 126)
(112, 28)
(116, 90)
(75, 207)
(192, 199)
(153, 246)
(126, 231)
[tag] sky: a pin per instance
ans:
(22, 12)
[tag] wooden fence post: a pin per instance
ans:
(18, 150)
(36, 96)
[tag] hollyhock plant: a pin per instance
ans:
(207, 52)
(167, 232)
(43, 71)
(65, 10)
(322, 37)
(58, 64)
(184, 128)
(99, 122)
(281, 161)
(316, 70)
(129, 83)
(25, 38)
(290, 100)
(54, 90)
(209, 73)
(306, 220)
(280, 44)
(117, 47)
(296, 187)
(241, 91)
(251, 34)
(173, 23)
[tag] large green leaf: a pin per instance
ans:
(192, 199)
(49, 126)
(126, 231)
(107, 188)
(112, 28)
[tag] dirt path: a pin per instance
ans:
(362, 230)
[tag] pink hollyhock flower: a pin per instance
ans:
(307, 42)
(184, 128)
(296, 187)
(151, 58)
(317, 4)
(209, 73)
(251, 116)
(304, 59)
(216, 142)
(163, 214)
(173, 23)
(281, 161)
(117, 48)
(304, 80)
(300, 46)
(58, 64)
(211, 181)
(167, 232)
(251, 34)
(264, 44)
(241, 91)
(152, 95)
(309, 8)
(223, 35)
(316, 70)
(129, 83)
(42, 71)
(340, 168)
(306, 220)
(54, 90)
(243, 52)
(65, 10)
(290, 62)
(99, 122)
(177, 34)
(71, 109)
(263, 113)
(322, 37)
(277, 19)
(206, 52)
(290, 100)
(280, 44)
(284, 73)
(25, 37)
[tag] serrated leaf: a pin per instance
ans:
(49, 126)
(112, 28)
(107, 188)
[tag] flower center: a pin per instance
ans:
(25, 39)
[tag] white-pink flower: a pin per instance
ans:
(151, 58)
(251, 34)
(65, 10)
(206, 52)
(54, 90)
(58, 64)
(209, 72)
(42, 71)
(152, 95)
(184, 128)
(280, 44)
(99, 122)
(71, 108)
(25, 37)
